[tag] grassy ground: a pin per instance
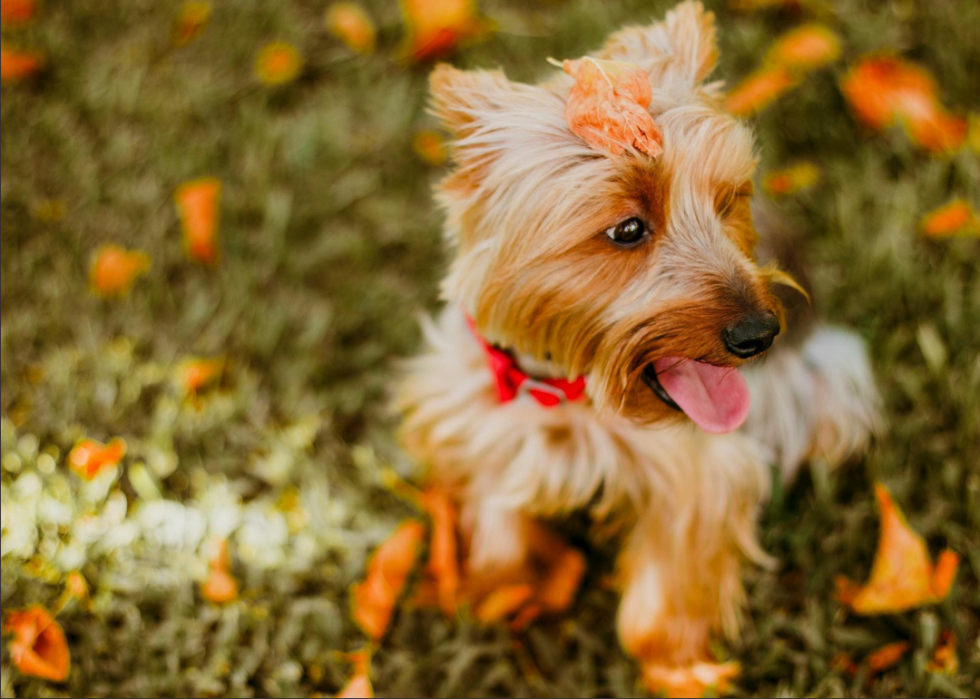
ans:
(331, 245)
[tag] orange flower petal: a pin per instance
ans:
(359, 685)
(950, 219)
(75, 586)
(115, 270)
(885, 90)
(902, 576)
(607, 107)
(197, 203)
(888, 656)
(374, 599)
(759, 90)
(691, 681)
(16, 66)
(278, 63)
(437, 27)
(443, 551)
(805, 48)
(503, 602)
(944, 574)
(792, 179)
(14, 12)
(220, 586)
(197, 374)
(430, 146)
(190, 21)
(350, 23)
(944, 659)
(89, 458)
(39, 648)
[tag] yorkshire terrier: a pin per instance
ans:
(599, 349)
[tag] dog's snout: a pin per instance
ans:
(752, 335)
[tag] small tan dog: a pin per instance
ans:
(598, 311)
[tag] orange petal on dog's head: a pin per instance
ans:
(607, 107)
(902, 576)
(759, 90)
(437, 27)
(389, 568)
(39, 648)
(805, 48)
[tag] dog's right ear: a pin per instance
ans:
(463, 98)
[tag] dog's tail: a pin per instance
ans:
(814, 396)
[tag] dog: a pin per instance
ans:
(600, 348)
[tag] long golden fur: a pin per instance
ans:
(526, 206)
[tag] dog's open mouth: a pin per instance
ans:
(716, 398)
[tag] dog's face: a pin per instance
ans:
(618, 268)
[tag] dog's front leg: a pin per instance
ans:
(680, 568)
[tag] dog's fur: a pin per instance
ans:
(526, 205)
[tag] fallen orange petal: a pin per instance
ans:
(350, 23)
(190, 21)
(805, 48)
(944, 659)
(443, 551)
(691, 681)
(115, 270)
(950, 219)
(220, 586)
(792, 179)
(759, 90)
(888, 656)
(436, 27)
(503, 602)
(278, 63)
(14, 12)
(430, 146)
(944, 574)
(89, 458)
(375, 598)
(197, 203)
(39, 648)
(902, 576)
(16, 66)
(607, 107)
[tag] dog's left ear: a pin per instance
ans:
(679, 53)
(462, 99)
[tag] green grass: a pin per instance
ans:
(331, 247)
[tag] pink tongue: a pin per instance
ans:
(716, 398)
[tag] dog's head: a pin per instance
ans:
(617, 268)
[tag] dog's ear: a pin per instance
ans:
(462, 98)
(678, 53)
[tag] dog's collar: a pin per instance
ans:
(511, 381)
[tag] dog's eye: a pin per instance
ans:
(628, 232)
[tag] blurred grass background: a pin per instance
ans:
(331, 246)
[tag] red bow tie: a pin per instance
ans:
(510, 380)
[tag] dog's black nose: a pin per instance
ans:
(752, 335)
